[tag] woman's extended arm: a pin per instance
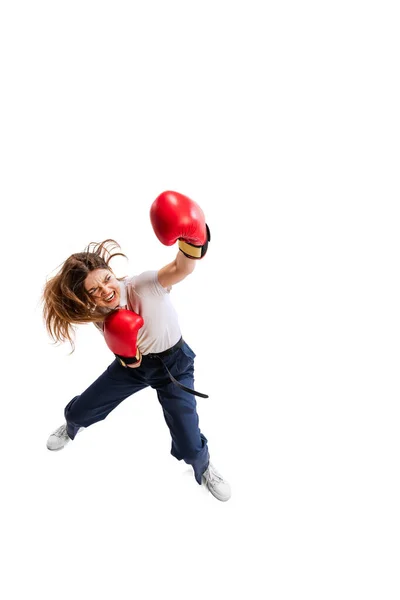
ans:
(177, 270)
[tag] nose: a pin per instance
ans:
(104, 291)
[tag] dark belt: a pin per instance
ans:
(165, 353)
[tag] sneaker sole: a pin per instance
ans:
(221, 499)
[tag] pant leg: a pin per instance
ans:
(100, 398)
(180, 414)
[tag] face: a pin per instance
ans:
(103, 287)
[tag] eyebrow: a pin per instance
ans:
(95, 288)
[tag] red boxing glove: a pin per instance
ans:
(120, 332)
(176, 217)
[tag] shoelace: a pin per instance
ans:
(61, 431)
(214, 476)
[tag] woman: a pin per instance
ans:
(86, 290)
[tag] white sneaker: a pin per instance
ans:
(59, 438)
(216, 484)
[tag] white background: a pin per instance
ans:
(281, 119)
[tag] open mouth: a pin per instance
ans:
(110, 298)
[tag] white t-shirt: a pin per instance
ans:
(145, 296)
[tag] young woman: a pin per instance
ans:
(141, 327)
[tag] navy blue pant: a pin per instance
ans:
(179, 406)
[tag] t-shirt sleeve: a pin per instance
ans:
(147, 284)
